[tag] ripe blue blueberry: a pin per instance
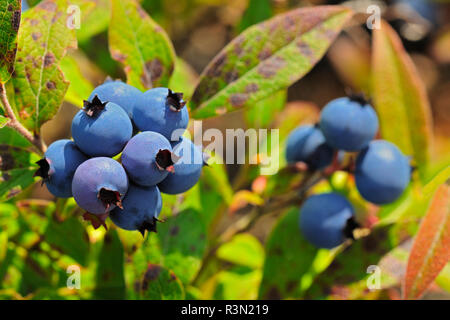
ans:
(117, 92)
(57, 168)
(162, 111)
(187, 169)
(382, 172)
(348, 123)
(326, 220)
(99, 185)
(307, 143)
(101, 128)
(141, 208)
(147, 158)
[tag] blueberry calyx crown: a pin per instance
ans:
(92, 108)
(175, 101)
(166, 159)
(350, 227)
(44, 170)
(359, 98)
(110, 197)
(149, 226)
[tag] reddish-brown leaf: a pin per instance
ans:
(431, 249)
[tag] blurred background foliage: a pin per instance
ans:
(197, 254)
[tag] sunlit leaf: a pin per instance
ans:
(400, 97)
(266, 58)
(39, 85)
(9, 26)
(140, 45)
(244, 249)
(80, 88)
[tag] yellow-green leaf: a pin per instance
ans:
(400, 98)
(10, 11)
(141, 45)
(265, 58)
(38, 84)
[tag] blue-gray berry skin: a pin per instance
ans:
(324, 219)
(141, 208)
(99, 184)
(162, 111)
(187, 169)
(61, 160)
(119, 93)
(103, 131)
(382, 172)
(307, 144)
(348, 124)
(147, 158)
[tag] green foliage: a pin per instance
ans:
(235, 234)
(141, 45)
(38, 84)
(266, 58)
(17, 165)
(9, 24)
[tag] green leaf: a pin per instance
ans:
(348, 271)
(3, 121)
(257, 11)
(160, 283)
(400, 98)
(39, 85)
(244, 249)
(141, 45)
(9, 26)
(235, 284)
(110, 280)
(266, 58)
(182, 241)
(290, 260)
(215, 177)
(70, 238)
(80, 88)
(17, 165)
(264, 111)
(93, 18)
(183, 78)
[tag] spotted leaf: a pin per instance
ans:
(266, 58)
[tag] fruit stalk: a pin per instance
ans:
(13, 123)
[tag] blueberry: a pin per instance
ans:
(349, 123)
(382, 172)
(326, 220)
(117, 92)
(101, 128)
(187, 169)
(147, 158)
(99, 185)
(57, 168)
(307, 143)
(162, 111)
(141, 208)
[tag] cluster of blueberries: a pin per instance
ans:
(146, 129)
(381, 172)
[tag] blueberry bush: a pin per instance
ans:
(105, 195)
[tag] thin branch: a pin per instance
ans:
(13, 123)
